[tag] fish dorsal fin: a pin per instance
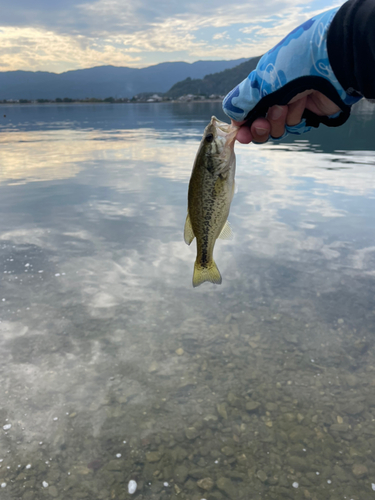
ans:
(226, 232)
(188, 231)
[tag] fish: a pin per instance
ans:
(210, 195)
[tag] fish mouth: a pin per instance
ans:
(226, 130)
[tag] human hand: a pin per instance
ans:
(292, 89)
(273, 125)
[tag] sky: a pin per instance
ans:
(62, 35)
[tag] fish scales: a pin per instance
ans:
(210, 194)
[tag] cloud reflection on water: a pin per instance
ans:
(61, 154)
(274, 181)
(101, 214)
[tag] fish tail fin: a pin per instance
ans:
(210, 273)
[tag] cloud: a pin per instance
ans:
(57, 36)
(35, 49)
(221, 36)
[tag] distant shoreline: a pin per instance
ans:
(44, 101)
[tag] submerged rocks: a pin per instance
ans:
(132, 487)
(359, 470)
(262, 476)
(181, 473)
(153, 456)
(342, 429)
(206, 483)
(226, 485)
(243, 412)
(52, 490)
(252, 406)
(299, 464)
(352, 408)
(228, 451)
(222, 410)
(191, 433)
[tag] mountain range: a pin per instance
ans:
(104, 81)
(218, 83)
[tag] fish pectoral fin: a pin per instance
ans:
(226, 233)
(225, 167)
(223, 172)
(188, 231)
(210, 273)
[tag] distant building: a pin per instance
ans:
(186, 98)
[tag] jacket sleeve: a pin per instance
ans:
(299, 62)
(351, 47)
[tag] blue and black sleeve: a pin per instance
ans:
(351, 47)
(333, 53)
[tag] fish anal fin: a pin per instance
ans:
(188, 231)
(226, 233)
(210, 273)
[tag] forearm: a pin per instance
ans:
(351, 47)
(314, 75)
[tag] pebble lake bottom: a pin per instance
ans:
(116, 374)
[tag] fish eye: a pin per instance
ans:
(209, 138)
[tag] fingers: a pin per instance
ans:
(277, 116)
(280, 116)
(319, 104)
(295, 111)
(274, 124)
(244, 135)
(260, 130)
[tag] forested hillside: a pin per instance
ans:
(216, 83)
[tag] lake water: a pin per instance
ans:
(113, 368)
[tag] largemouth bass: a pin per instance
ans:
(210, 194)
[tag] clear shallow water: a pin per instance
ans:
(112, 367)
